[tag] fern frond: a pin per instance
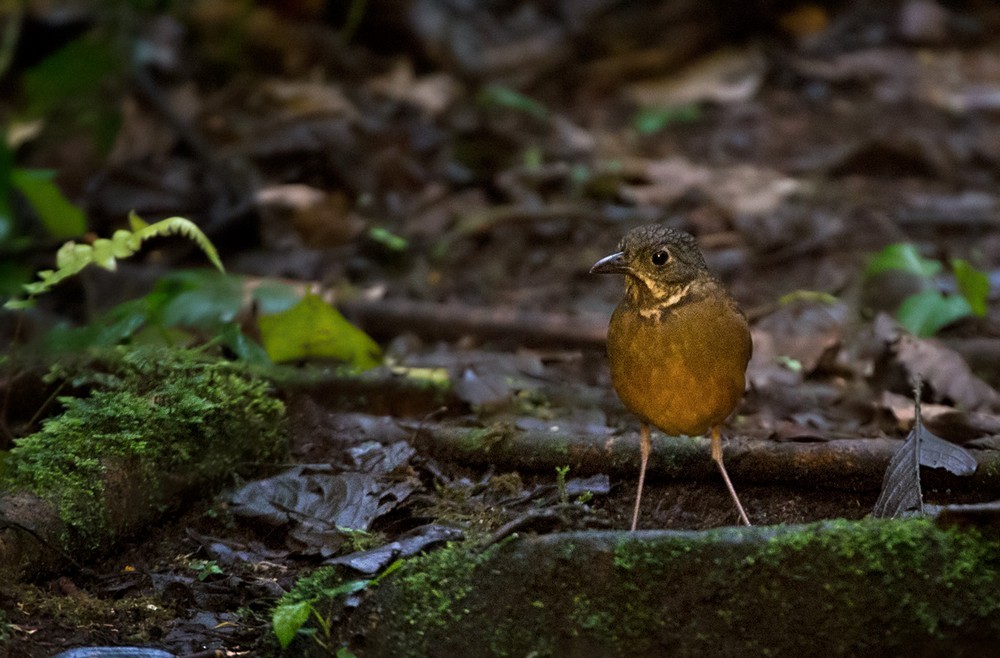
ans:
(104, 252)
(171, 226)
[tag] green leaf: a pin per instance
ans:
(497, 95)
(395, 566)
(58, 215)
(272, 297)
(71, 258)
(925, 313)
(388, 240)
(200, 299)
(6, 215)
(75, 71)
(314, 329)
(287, 619)
(104, 254)
(170, 226)
(902, 256)
(112, 328)
(245, 349)
(651, 120)
(973, 284)
(347, 587)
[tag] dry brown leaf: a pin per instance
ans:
(739, 190)
(433, 93)
(725, 76)
(794, 341)
(945, 421)
(321, 219)
(666, 181)
(304, 98)
(945, 373)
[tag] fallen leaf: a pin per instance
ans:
(901, 492)
(944, 421)
(321, 219)
(317, 505)
(725, 76)
(408, 544)
(945, 373)
(795, 340)
(314, 329)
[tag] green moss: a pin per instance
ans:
(437, 583)
(848, 587)
(481, 440)
(310, 587)
(150, 412)
(587, 615)
(899, 564)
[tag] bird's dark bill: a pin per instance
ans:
(613, 264)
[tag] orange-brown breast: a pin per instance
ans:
(684, 370)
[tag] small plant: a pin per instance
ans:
(929, 310)
(302, 603)
(360, 540)
(72, 257)
(561, 473)
(205, 569)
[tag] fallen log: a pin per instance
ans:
(157, 427)
(843, 464)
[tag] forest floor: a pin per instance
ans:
(455, 220)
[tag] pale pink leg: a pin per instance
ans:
(645, 446)
(717, 458)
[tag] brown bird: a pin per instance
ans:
(678, 344)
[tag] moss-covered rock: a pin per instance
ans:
(154, 423)
(855, 588)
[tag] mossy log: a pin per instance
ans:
(378, 391)
(844, 464)
(156, 427)
(37, 538)
(830, 588)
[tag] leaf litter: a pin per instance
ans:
(319, 507)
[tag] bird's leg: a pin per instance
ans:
(645, 446)
(717, 458)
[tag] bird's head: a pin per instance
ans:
(661, 265)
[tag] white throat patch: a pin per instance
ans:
(665, 299)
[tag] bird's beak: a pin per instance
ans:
(613, 264)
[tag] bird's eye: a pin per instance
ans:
(660, 257)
